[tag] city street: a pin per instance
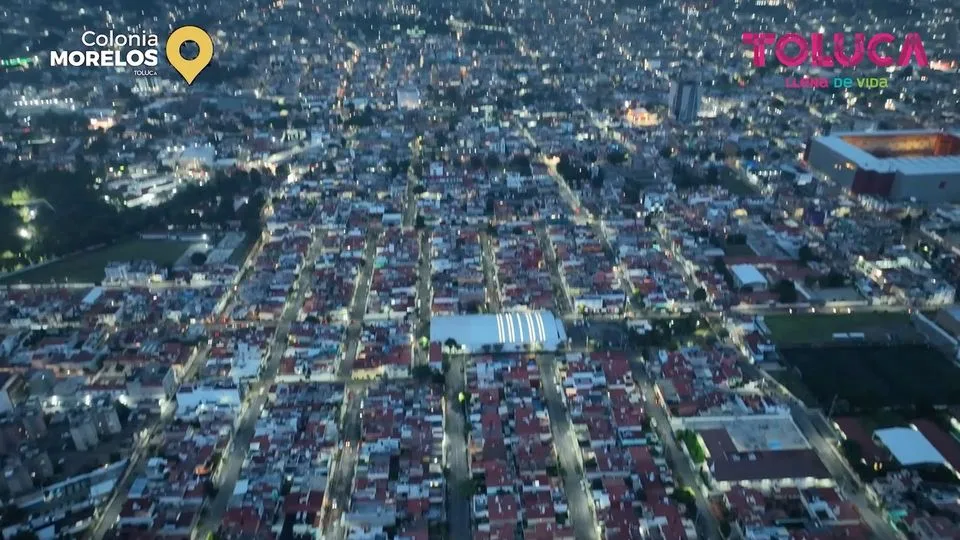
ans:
(582, 512)
(340, 482)
(812, 426)
(562, 298)
(240, 443)
(359, 306)
(707, 523)
(141, 454)
(489, 261)
(458, 503)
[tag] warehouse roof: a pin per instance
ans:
(909, 446)
(747, 274)
(514, 328)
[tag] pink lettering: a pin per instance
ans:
(841, 56)
(781, 50)
(759, 42)
(817, 55)
(813, 49)
(912, 46)
(873, 55)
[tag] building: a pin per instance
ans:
(507, 332)
(909, 447)
(747, 275)
(684, 101)
(913, 164)
(408, 98)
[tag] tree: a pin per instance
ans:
(451, 343)
(833, 279)
(750, 154)
(198, 258)
(786, 292)
(597, 181)
(422, 373)
(806, 254)
(492, 161)
(616, 157)
(907, 222)
(421, 223)
(700, 295)
(12, 515)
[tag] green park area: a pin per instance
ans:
(691, 440)
(816, 328)
(88, 267)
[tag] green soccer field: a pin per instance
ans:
(819, 328)
(88, 267)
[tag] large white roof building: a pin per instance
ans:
(515, 331)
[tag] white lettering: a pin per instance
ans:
(58, 58)
(83, 38)
(76, 58)
(93, 58)
(150, 58)
(134, 57)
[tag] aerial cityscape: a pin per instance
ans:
(480, 269)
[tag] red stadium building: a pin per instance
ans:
(923, 165)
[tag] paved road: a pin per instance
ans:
(359, 307)
(488, 259)
(458, 505)
(707, 523)
(231, 467)
(141, 454)
(424, 299)
(579, 499)
(563, 302)
(826, 446)
(340, 482)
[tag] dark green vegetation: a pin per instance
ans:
(88, 267)
(864, 379)
(73, 214)
(692, 442)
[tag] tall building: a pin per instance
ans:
(684, 100)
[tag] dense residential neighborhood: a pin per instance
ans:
(435, 270)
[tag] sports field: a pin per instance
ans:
(868, 378)
(88, 267)
(816, 328)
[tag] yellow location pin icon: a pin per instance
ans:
(189, 69)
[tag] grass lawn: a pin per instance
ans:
(819, 328)
(88, 267)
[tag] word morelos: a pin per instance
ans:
(813, 50)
